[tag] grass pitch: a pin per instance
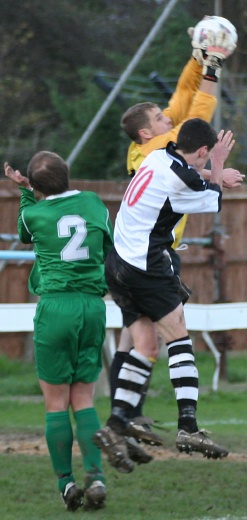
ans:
(171, 487)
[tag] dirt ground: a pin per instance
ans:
(36, 445)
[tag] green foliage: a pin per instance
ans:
(49, 55)
(108, 144)
(171, 48)
(48, 44)
(76, 113)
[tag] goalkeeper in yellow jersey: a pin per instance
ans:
(150, 128)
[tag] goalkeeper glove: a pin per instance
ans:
(213, 40)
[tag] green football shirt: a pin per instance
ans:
(72, 234)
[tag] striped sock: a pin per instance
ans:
(184, 378)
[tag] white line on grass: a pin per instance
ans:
(228, 517)
(208, 423)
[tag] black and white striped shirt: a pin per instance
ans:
(164, 188)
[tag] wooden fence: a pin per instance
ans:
(216, 273)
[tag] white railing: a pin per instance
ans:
(204, 318)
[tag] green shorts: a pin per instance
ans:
(69, 332)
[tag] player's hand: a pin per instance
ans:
(219, 44)
(197, 51)
(224, 145)
(213, 40)
(211, 48)
(232, 178)
(214, 57)
(16, 176)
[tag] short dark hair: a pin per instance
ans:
(135, 118)
(195, 133)
(48, 173)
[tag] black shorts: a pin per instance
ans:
(139, 293)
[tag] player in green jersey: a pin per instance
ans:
(72, 234)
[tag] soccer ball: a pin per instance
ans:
(215, 32)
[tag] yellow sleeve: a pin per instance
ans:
(203, 106)
(187, 85)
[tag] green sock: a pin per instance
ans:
(59, 438)
(87, 423)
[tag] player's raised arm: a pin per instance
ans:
(16, 176)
